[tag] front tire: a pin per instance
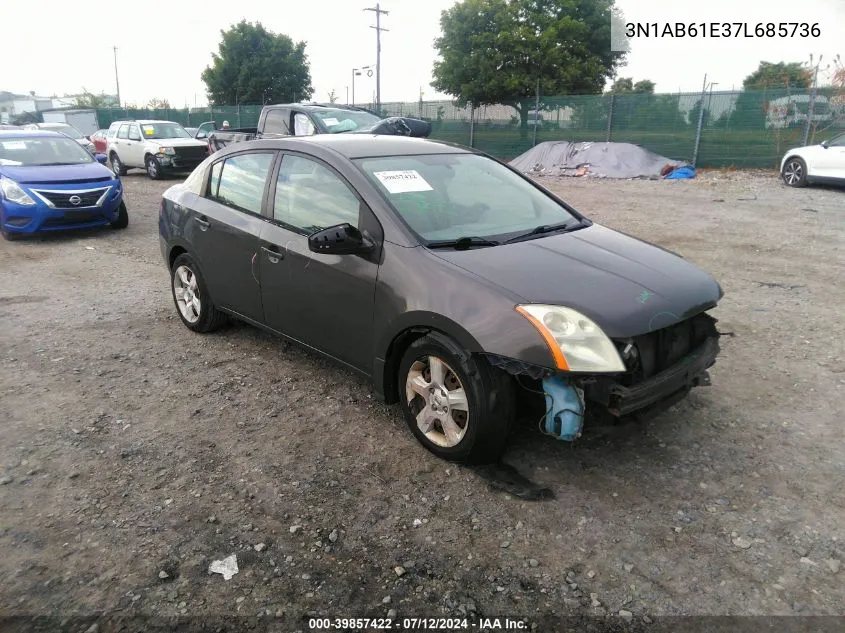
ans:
(190, 294)
(122, 220)
(117, 165)
(458, 406)
(795, 172)
(154, 170)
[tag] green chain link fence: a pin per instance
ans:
(740, 129)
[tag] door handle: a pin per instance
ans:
(273, 256)
(204, 224)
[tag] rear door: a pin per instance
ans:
(224, 228)
(323, 301)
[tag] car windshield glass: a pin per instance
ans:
(339, 120)
(450, 196)
(164, 130)
(64, 129)
(42, 151)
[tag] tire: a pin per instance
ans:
(11, 237)
(794, 172)
(202, 316)
(475, 431)
(122, 220)
(117, 164)
(153, 167)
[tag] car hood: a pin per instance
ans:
(177, 142)
(56, 173)
(627, 286)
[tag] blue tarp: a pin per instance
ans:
(682, 172)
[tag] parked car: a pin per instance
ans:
(159, 147)
(444, 276)
(822, 163)
(101, 144)
(305, 119)
(67, 130)
(49, 183)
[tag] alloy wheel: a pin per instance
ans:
(793, 172)
(187, 294)
(438, 399)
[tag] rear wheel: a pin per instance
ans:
(117, 165)
(795, 172)
(458, 407)
(153, 167)
(190, 295)
(122, 220)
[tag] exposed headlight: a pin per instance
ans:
(13, 192)
(166, 150)
(576, 342)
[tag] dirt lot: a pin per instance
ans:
(134, 453)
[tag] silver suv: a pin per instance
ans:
(158, 147)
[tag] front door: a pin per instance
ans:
(323, 301)
(224, 229)
(133, 154)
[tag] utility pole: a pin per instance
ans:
(116, 80)
(378, 11)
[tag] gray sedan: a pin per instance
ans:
(449, 280)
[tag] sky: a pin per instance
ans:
(162, 51)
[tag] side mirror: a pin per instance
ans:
(341, 239)
(825, 144)
(101, 158)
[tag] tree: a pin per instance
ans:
(499, 51)
(158, 104)
(626, 85)
(770, 76)
(88, 99)
(644, 87)
(332, 96)
(254, 65)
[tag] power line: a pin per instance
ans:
(378, 11)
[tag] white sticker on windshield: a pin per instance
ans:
(402, 181)
(330, 122)
(14, 145)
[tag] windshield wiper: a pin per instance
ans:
(463, 243)
(544, 228)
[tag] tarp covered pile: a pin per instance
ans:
(599, 160)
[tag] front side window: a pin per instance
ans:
(124, 131)
(449, 196)
(276, 122)
(310, 196)
(134, 135)
(838, 141)
(238, 182)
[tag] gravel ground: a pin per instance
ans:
(134, 453)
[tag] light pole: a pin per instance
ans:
(378, 11)
(116, 80)
(357, 71)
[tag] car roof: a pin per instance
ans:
(144, 121)
(319, 106)
(370, 145)
(30, 134)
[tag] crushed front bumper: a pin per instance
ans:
(659, 392)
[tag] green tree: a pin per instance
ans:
(770, 76)
(254, 65)
(87, 99)
(644, 87)
(498, 51)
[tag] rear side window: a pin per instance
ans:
(238, 182)
(276, 122)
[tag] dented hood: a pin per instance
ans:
(628, 287)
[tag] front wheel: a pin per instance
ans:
(190, 295)
(122, 220)
(458, 407)
(153, 167)
(795, 172)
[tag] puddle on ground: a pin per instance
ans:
(503, 477)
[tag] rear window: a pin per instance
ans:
(42, 151)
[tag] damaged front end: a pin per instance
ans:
(661, 368)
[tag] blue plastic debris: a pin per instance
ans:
(564, 408)
(681, 173)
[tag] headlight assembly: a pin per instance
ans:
(575, 342)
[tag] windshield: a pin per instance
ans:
(64, 128)
(449, 196)
(164, 130)
(338, 120)
(42, 151)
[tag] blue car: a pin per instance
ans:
(48, 182)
